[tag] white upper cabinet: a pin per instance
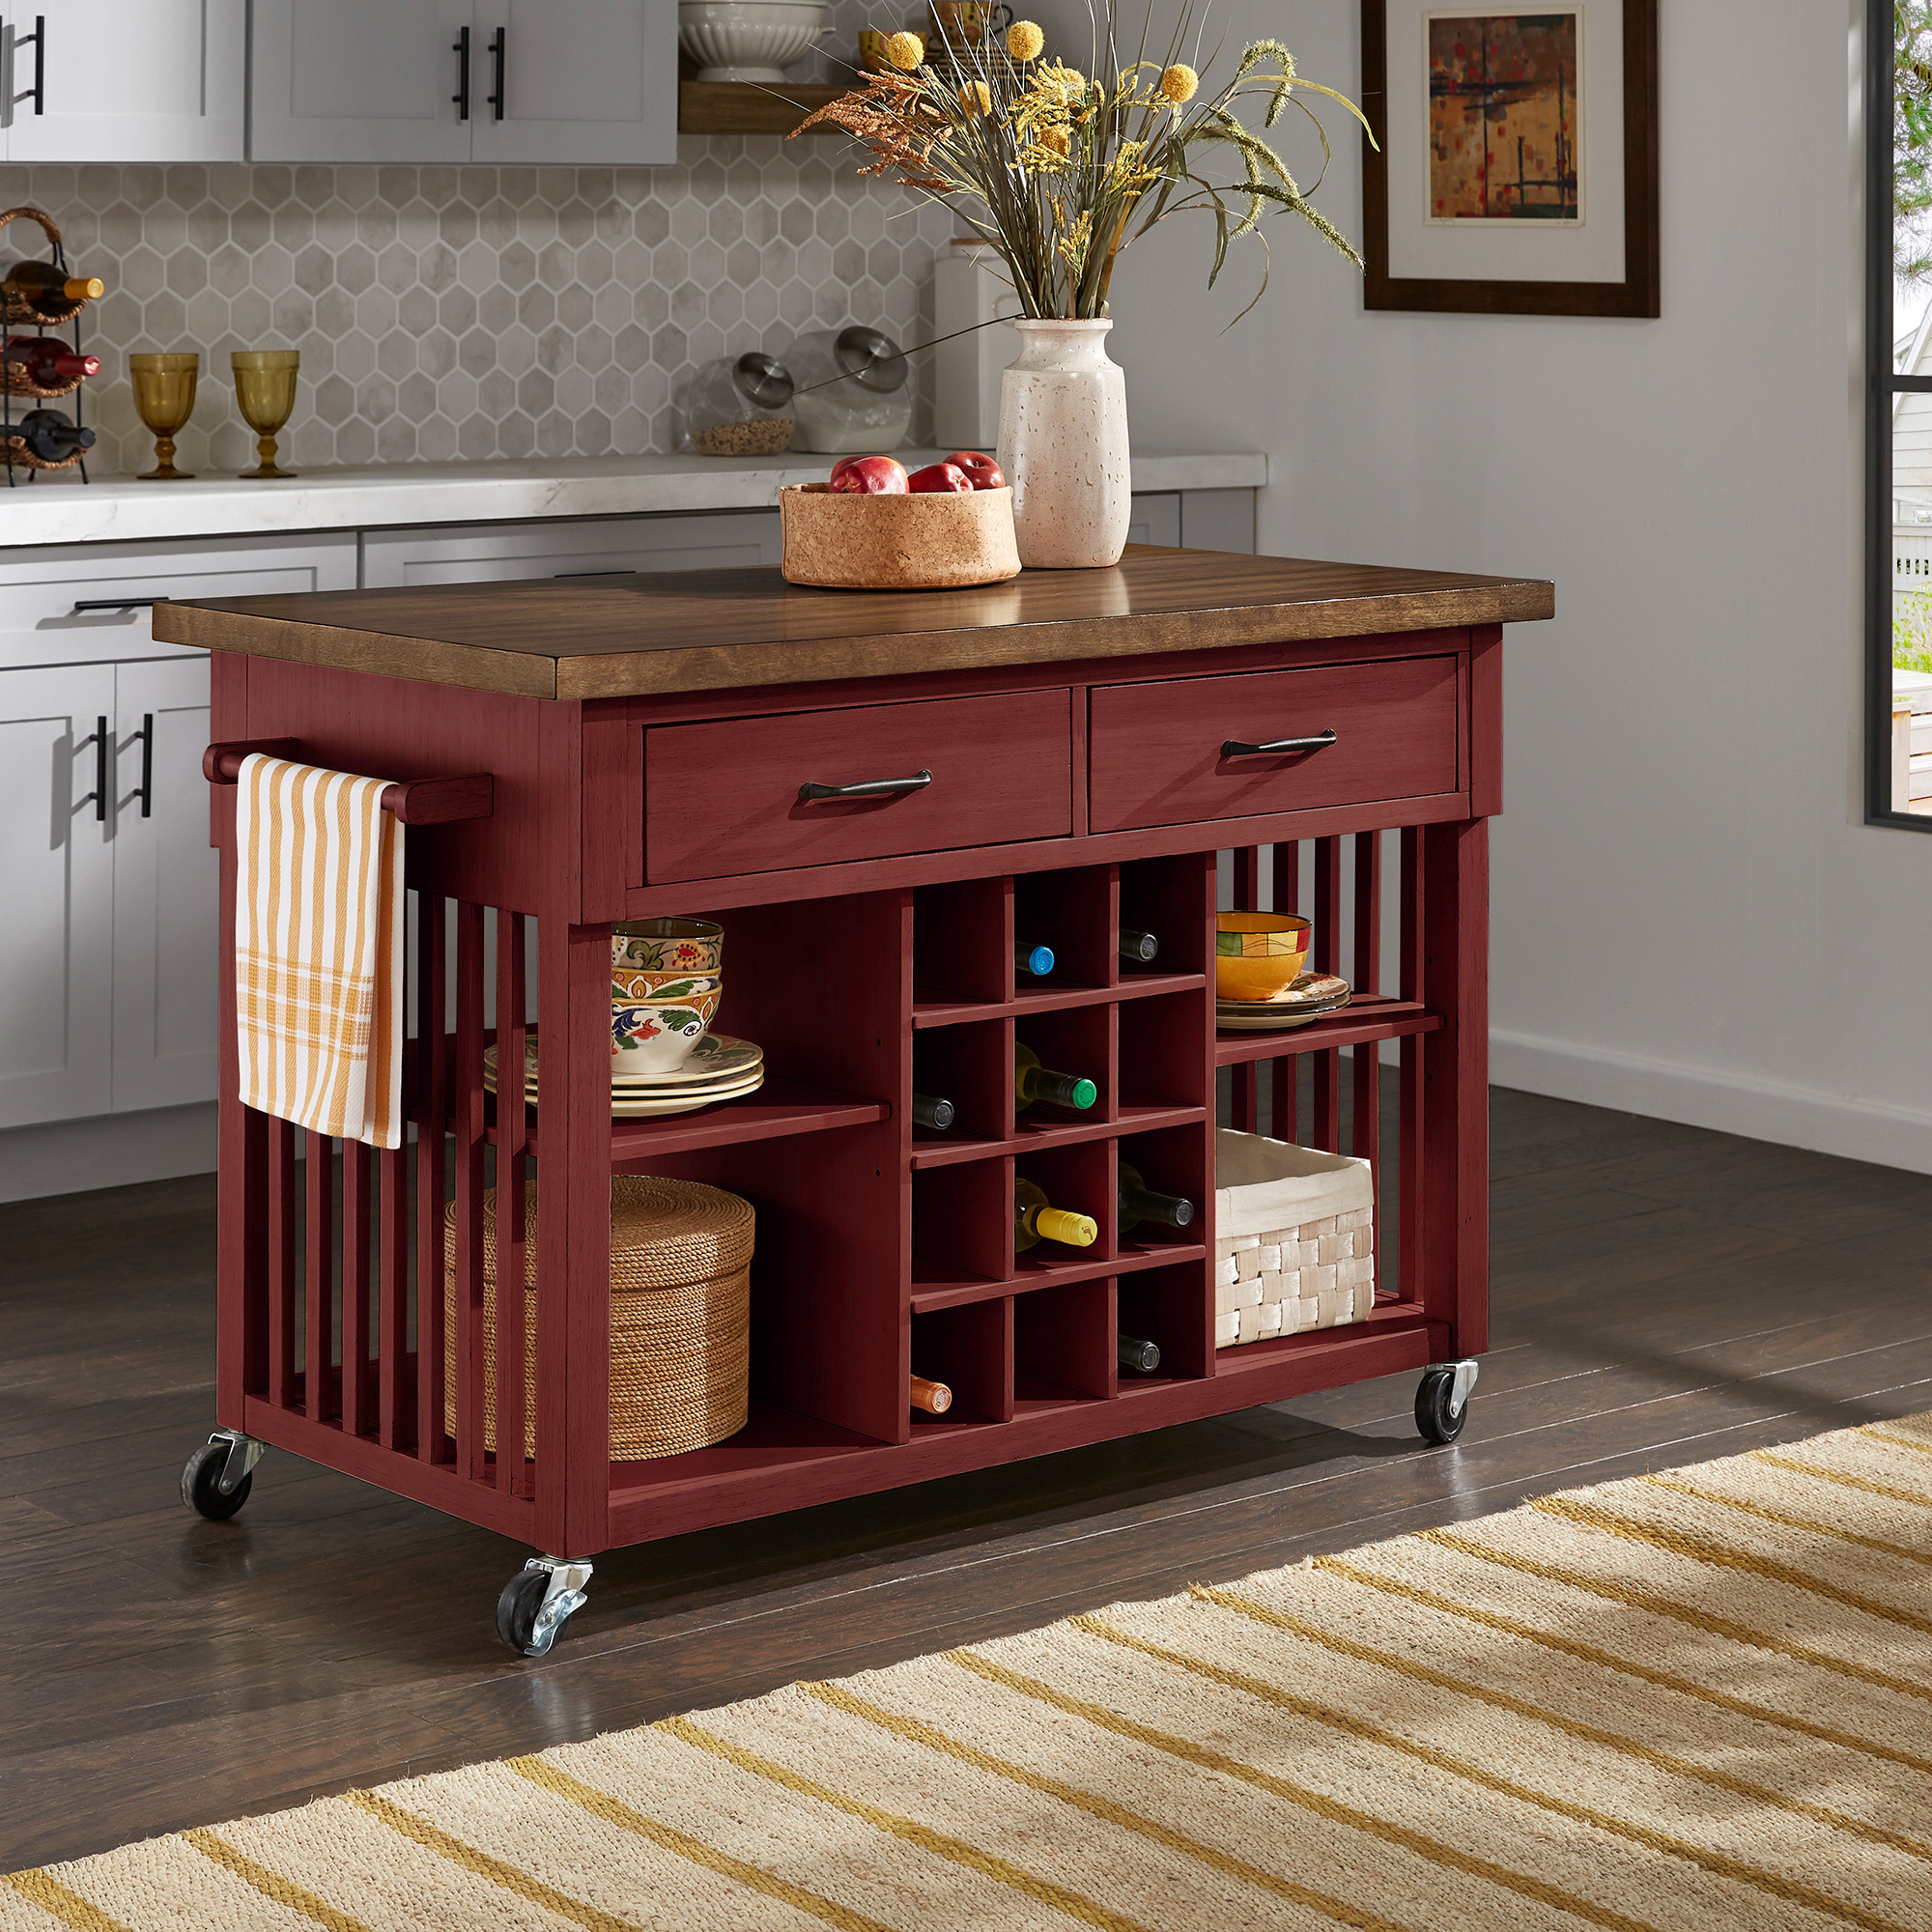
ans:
(123, 80)
(578, 82)
(357, 80)
(558, 82)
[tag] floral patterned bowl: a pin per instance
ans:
(667, 946)
(657, 1036)
(664, 985)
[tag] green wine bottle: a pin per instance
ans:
(1034, 1082)
(1143, 1357)
(1034, 959)
(936, 1114)
(1138, 948)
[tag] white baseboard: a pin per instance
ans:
(107, 1150)
(1730, 1103)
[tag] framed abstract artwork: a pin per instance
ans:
(1516, 170)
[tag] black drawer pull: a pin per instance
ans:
(87, 604)
(867, 789)
(146, 792)
(1235, 749)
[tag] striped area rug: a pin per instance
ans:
(1701, 1699)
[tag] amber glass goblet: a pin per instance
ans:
(264, 392)
(164, 397)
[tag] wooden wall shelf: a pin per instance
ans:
(740, 107)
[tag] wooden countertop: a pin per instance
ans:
(708, 630)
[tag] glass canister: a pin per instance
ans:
(736, 406)
(852, 390)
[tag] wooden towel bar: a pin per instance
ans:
(413, 801)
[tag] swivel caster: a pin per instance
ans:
(1442, 1399)
(219, 1476)
(537, 1602)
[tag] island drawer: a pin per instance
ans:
(1160, 753)
(725, 798)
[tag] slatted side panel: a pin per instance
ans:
(370, 1284)
(1363, 893)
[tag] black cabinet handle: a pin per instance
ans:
(103, 755)
(118, 604)
(865, 788)
(498, 57)
(460, 47)
(1235, 749)
(146, 734)
(38, 93)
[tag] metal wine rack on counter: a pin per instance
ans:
(48, 315)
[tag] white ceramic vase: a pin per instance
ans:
(1063, 446)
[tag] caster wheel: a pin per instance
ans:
(1434, 1417)
(517, 1609)
(538, 1600)
(201, 1480)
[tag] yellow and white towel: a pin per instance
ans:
(319, 916)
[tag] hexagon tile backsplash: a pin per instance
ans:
(476, 313)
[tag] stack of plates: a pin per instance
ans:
(1311, 996)
(720, 1068)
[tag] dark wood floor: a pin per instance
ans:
(1662, 1295)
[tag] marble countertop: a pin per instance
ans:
(119, 509)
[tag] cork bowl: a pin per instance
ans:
(846, 541)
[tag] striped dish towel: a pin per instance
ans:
(319, 949)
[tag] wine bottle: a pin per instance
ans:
(1035, 1219)
(50, 436)
(928, 1112)
(935, 1398)
(42, 286)
(1138, 948)
(1034, 959)
(1140, 1203)
(1034, 1082)
(46, 360)
(1143, 1357)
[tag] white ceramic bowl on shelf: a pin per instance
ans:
(749, 40)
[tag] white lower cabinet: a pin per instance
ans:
(108, 949)
(166, 890)
(57, 885)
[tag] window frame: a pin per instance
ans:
(1881, 385)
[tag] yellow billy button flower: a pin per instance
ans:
(905, 51)
(976, 97)
(1179, 83)
(1024, 40)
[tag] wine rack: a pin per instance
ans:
(15, 382)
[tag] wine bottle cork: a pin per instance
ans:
(935, 1398)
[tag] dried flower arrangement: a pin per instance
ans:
(1059, 171)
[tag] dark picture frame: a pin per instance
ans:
(1636, 295)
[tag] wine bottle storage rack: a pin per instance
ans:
(15, 313)
(883, 1250)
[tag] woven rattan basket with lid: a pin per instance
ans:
(680, 1315)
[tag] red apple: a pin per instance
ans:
(982, 472)
(942, 478)
(870, 476)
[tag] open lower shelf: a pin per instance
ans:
(779, 1108)
(931, 1009)
(1365, 1018)
(783, 1460)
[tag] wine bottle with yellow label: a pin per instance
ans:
(1036, 1219)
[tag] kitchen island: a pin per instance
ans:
(1094, 740)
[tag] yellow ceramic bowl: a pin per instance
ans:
(1257, 954)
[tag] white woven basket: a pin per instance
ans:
(1293, 1238)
